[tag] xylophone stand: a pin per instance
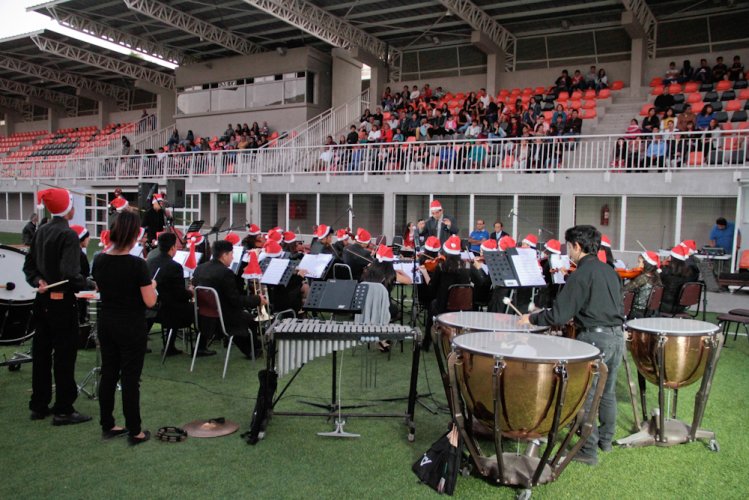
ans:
(334, 404)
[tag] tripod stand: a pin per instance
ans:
(94, 375)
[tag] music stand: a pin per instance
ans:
(195, 226)
(216, 227)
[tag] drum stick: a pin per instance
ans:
(508, 302)
(156, 273)
(53, 285)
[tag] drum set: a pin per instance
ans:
(16, 304)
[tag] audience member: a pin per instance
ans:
(720, 70)
(664, 101)
(736, 71)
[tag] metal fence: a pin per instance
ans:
(676, 152)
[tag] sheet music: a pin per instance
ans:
(407, 268)
(527, 268)
(275, 271)
(466, 256)
(137, 250)
(181, 256)
(315, 265)
(236, 258)
(559, 262)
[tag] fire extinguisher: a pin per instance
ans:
(605, 215)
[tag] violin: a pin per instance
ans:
(629, 274)
(431, 264)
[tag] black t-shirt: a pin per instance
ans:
(119, 278)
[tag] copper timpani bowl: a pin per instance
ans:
(686, 347)
(528, 386)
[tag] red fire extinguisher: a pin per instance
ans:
(605, 215)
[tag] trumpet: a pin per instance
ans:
(262, 310)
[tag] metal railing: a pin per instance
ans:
(681, 152)
(330, 122)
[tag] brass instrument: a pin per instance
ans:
(262, 314)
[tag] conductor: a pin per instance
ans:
(438, 224)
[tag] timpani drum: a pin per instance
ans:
(524, 387)
(16, 297)
(672, 353)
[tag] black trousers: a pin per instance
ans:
(56, 332)
(123, 349)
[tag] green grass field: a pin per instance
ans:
(41, 461)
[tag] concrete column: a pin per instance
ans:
(495, 60)
(388, 215)
(53, 118)
(166, 103)
(377, 83)
(11, 118)
(566, 213)
(639, 49)
(346, 77)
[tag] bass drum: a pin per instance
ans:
(16, 298)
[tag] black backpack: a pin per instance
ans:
(438, 467)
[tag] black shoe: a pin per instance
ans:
(136, 440)
(591, 460)
(70, 419)
(40, 415)
(605, 447)
(172, 351)
(111, 433)
(202, 353)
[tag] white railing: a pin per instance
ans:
(138, 133)
(330, 122)
(154, 140)
(684, 152)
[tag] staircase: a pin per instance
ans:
(618, 114)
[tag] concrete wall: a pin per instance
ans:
(128, 116)
(31, 126)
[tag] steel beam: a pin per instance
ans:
(15, 104)
(130, 70)
(67, 101)
(646, 18)
(190, 24)
(330, 29)
(119, 94)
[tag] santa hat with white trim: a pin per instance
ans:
(253, 229)
(452, 245)
(272, 249)
(81, 231)
(489, 246)
(322, 231)
(363, 236)
(605, 241)
(553, 246)
(341, 235)
(232, 238)
(680, 252)
(651, 258)
(195, 234)
(385, 254)
(531, 240)
(104, 239)
(58, 201)
(289, 237)
(506, 242)
(434, 206)
(157, 198)
(119, 204)
(432, 244)
(690, 245)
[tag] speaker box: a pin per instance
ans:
(175, 192)
(145, 191)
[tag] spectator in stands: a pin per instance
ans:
(530, 117)
(620, 153)
(664, 101)
(687, 72)
(422, 132)
(590, 78)
(437, 125)
(353, 136)
(542, 126)
(377, 115)
(720, 70)
(451, 125)
(174, 139)
(483, 97)
(387, 99)
(672, 74)
(255, 128)
(476, 158)
(668, 117)
(705, 117)
(578, 81)
(398, 135)
(559, 124)
(386, 133)
(736, 71)
(633, 131)
(415, 94)
(27, 234)
(439, 93)
(703, 74)
(228, 133)
(473, 130)
(712, 138)
(265, 129)
(650, 122)
(655, 154)
(189, 140)
(686, 117)
(559, 113)
(602, 81)
(563, 83)
(426, 93)
(574, 125)
(125, 146)
(671, 138)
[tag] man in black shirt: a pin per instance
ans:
(154, 219)
(664, 101)
(438, 224)
(216, 274)
(356, 256)
(175, 309)
(499, 232)
(353, 136)
(29, 229)
(593, 297)
(55, 256)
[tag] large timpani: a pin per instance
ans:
(671, 353)
(524, 387)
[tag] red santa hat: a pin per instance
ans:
(58, 201)
(272, 249)
(434, 206)
(506, 242)
(341, 235)
(553, 246)
(253, 229)
(322, 231)
(232, 238)
(157, 198)
(277, 229)
(141, 233)
(192, 260)
(119, 204)
(605, 241)
(363, 236)
(680, 252)
(196, 235)
(690, 245)
(104, 239)
(651, 258)
(452, 245)
(531, 240)
(289, 237)
(81, 231)
(489, 245)
(274, 235)
(385, 254)
(432, 244)
(252, 270)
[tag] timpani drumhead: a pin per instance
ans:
(677, 327)
(526, 347)
(11, 271)
(486, 322)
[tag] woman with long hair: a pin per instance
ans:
(674, 276)
(126, 289)
(643, 284)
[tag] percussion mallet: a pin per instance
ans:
(531, 307)
(156, 273)
(641, 246)
(506, 301)
(9, 286)
(53, 285)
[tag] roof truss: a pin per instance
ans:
(67, 101)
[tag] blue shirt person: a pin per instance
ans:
(721, 235)
(478, 236)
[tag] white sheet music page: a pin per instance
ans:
(315, 264)
(559, 262)
(527, 268)
(274, 271)
(137, 250)
(407, 269)
(180, 256)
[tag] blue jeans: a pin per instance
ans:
(611, 345)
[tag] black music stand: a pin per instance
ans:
(195, 226)
(216, 229)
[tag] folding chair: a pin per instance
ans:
(628, 300)
(689, 295)
(460, 298)
(654, 301)
(342, 271)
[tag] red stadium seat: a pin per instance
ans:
(576, 95)
(657, 90)
(563, 96)
(724, 85)
(726, 126)
(590, 94)
(694, 97)
(589, 104)
(575, 104)
(697, 107)
(674, 88)
(656, 81)
(645, 108)
(734, 105)
(690, 87)
(696, 158)
(540, 90)
(588, 114)
(744, 94)
(604, 94)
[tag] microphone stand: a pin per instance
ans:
(348, 209)
(532, 223)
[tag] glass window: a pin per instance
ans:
(272, 210)
(302, 213)
(250, 96)
(588, 210)
(333, 210)
(650, 221)
(238, 209)
(536, 212)
(698, 217)
(269, 94)
(294, 91)
(227, 98)
(14, 207)
(369, 211)
(193, 102)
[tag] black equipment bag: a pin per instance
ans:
(438, 467)
(263, 405)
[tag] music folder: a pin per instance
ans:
(277, 271)
(316, 265)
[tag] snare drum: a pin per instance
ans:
(522, 373)
(16, 317)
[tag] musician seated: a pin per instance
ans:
(482, 283)
(292, 247)
(323, 241)
(292, 295)
(674, 276)
(343, 239)
(175, 308)
(428, 261)
(216, 274)
(643, 284)
(357, 256)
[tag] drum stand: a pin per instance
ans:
(660, 430)
(94, 375)
(526, 470)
